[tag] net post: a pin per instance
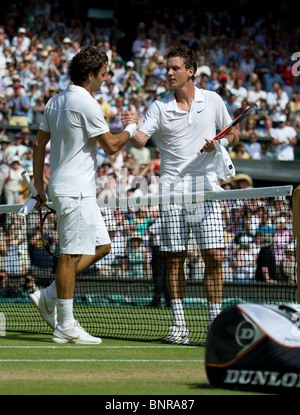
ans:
(296, 232)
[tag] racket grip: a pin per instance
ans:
(29, 183)
(188, 162)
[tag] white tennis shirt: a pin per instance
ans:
(74, 118)
(180, 134)
(284, 150)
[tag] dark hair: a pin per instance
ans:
(88, 59)
(188, 56)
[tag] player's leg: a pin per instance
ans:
(210, 238)
(88, 260)
(213, 281)
(174, 241)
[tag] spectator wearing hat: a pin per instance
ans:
(12, 181)
(68, 49)
(129, 69)
(19, 105)
(284, 140)
(136, 264)
(242, 181)
(160, 70)
(20, 41)
(245, 264)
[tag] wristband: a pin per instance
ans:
(224, 142)
(131, 129)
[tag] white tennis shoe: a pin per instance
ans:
(46, 309)
(178, 335)
(74, 334)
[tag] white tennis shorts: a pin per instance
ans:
(204, 221)
(80, 225)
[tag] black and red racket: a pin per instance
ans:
(221, 134)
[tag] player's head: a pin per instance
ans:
(89, 60)
(187, 55)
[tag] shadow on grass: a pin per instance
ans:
(29, 337)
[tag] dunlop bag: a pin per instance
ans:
(255, 347)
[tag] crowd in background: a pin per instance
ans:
(245, 60)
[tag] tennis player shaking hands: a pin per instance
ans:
(74, 124)
(185, 122)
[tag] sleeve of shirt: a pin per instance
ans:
(223, 117)
(151, 121)
(44, 125)
(94, 120)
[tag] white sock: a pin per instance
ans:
(214, 309)
(65, 313)
(178, 313)
(51, 292)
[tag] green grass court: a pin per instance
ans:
(31, 364)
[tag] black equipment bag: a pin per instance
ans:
(255, 347)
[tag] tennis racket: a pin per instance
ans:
(221, 134)
(51, 245)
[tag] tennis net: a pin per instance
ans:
(128, 294)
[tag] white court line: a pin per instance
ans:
(99, 360)
(101, 347)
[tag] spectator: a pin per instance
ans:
(12, 259)
(111, 264)
(239, 152)
(239, 91)
(252, 147)
(277, 101)
(284, 140)
(12, 181)
(159, 72)
(141, 155)
(147, 53)
(20, 106)
(115, 115)
(128, 71)
(159, 266)
(266, 269)
(4, 110)
(293, 111)
(16, 148)
(261, 115)
(245, 265)
(266, 226)
(242, 181)
(265, 152)
(271, 77)
(282, 237)
(257, 94)
(288, 265)
(136, 264)
(250, 127)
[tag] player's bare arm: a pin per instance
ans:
(111, 143)
(39, 147)
(139, 139)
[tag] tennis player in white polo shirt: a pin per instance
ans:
(185, 122)
(73, 121)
